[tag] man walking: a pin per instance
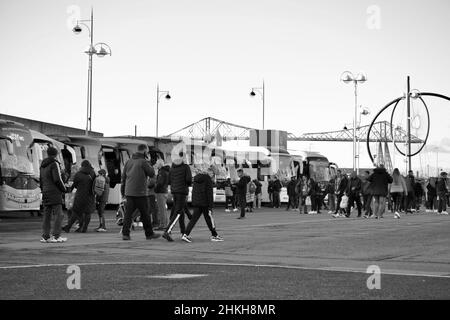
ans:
(354, 194)
(134, 189)
(442, 191)
(180, 179)
(52, 187)
(341, 186)
(161, 190)
(410, 204)
(276, 192)
(379, 180)
(242, 191)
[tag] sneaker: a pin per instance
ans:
(140, 224)
(100, 230)
(240, 217)
(335, 215)
(445, 213)
(366, 216)
(216, 239)
(167, 237)
(153, 236)
(126, 238)
(234, 210)
(43, 240)
(330, 212)
(227, 210)
(58, 240)
(186, 238)
(396, 215)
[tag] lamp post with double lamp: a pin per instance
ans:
(99, 49)
(348, 77)
(260, 90)
(159, 95)
(362, 112)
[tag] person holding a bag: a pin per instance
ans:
(341, 186)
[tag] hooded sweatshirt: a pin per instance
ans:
(202, 191)
(162, 181)
(134, 176)
(180, 177)
(51, 182)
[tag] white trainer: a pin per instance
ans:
(396, 215)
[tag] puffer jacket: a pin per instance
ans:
(202, 191)
(51, 182)
(134, 176)
(242, 185)
(180, 177)
(84, 201)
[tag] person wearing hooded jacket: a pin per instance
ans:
(84, 202)
(203, 202)
(180, 179)
(53, 188)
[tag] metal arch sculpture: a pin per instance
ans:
(396, 101)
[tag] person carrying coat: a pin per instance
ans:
(84, 202)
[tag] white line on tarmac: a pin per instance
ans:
(349, 270)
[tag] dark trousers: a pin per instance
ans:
(153, 210)
(179, 204)
(276, 199)
(368, 204)
(442, 203)
(431, 201)
(352, 198)
(242, 204)
(314, 204)
(83, 219)
(56, 212)
(198, 211)
(410, 202)
(397, 198)
(271, 199)
(141, 204)
(291, 202)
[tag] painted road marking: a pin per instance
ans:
(331, 269)
(177, 276)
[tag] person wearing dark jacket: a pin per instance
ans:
(203, 202)
(354, 188)
(242, 191)
(270, 191)
(258, 193)
(180, 179)
(340, 187)
(291, 194)
(367, 195)
(53, 189)
(134, 187)
(330, 191)
(431, 195)
(276, 192)
(442, 193)
(161, 190)
(410, 201)
(101, 201)
(84, 202)
(379, 181)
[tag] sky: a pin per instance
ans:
(209, 54)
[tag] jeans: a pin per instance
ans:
(276, 199)
(242, 204)
(442, 202)
(198, 211)
(367, 198)
(57, 213)
(332, 201)
(179, 203)
(397, 198)
(257, 201)
(101, 210)
(379, 205)
(140, 203)
(352, 198)
(153, 210)
(163, 218)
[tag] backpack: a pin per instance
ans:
(251, 187)
(99, 185)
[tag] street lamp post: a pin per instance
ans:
(260, 90)
(363, 112)
(158, 97)
(100, 52)
(348, 77)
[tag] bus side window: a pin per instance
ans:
(83, 152)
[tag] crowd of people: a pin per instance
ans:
(145, 190)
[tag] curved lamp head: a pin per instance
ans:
(77, 29)
(361, 78)
(102, 52)
(415, 94)
(365, 112)
(347, 77)
(252, 93)
(168, 97)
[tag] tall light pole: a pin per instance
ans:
(159, 94)
(99, 50)
(348, 77)
(260, 90)
(362, 112)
